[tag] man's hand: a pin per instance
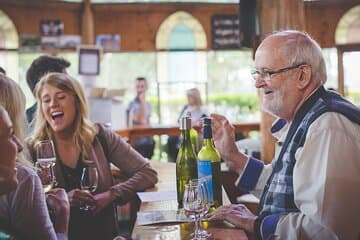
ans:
(58, 204)
(224, 138)
(237, 214)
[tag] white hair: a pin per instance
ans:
(301, 48)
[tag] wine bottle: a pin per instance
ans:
(186, 161)
(194, 138)
(209, 165)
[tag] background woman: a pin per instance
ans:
(24, 201)
(62, 116)
(194, 106)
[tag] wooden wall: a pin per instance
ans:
(26, 16)
(137, 24)
(321, 21)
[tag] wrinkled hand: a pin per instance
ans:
(237, 214)
(102, 200)
(224, 138)
(58, 204)
(79, 197)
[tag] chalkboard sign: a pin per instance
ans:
(225, 32)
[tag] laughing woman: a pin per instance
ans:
(63, 117)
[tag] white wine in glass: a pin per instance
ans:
(46, 175)
(89, 182)
(45, 152)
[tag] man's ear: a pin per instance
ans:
(305, 77)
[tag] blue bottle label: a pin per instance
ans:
(205, 172)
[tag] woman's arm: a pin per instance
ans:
(29, 215)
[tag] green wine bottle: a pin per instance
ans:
(209, 165)
(193, 136)
(186, 162)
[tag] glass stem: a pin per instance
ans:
(199, 225)
(196, 231)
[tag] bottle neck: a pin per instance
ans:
(207, 132)
(185, 135)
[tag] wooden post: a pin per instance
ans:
(276, 15)
(87, 24)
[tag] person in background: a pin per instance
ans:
(38, 68)
(194, 107)
(62, 116)
(23, 200)
(138, 114)
(311, 188)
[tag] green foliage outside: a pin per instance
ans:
(354, 97)
(247, 102)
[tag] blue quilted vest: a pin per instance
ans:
(278, 195)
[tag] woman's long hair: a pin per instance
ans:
(13, 100)
(84, 130)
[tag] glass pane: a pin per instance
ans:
(177, 72)
(351, 79)
(25, 60)
(331, 61)
(231, 88)
(181, 37)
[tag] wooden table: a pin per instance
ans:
(176, 231)
(140, 132)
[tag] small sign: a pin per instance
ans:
(89, 60)
(226, 32)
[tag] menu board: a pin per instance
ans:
(225, 32)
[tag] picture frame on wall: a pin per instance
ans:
(89, 60)
(51, 27)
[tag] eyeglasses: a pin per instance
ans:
(266, 75)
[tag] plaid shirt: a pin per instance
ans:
(278, 196)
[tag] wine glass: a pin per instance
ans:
(202, 185)
(89, 182)
(46, 156)
(46, 175)
(192, 207)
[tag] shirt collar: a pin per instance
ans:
(279, 128)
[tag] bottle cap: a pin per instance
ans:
(185, 123)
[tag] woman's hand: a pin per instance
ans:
(102, 200)
(58, 204)
(79, 197)
(237, 214)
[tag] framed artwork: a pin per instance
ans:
(49, 27)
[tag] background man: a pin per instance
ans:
(138, 114)
(311, 188)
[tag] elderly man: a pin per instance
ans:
(311, 188)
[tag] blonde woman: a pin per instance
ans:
(62, 116)
(24, 199)
(194, 106)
